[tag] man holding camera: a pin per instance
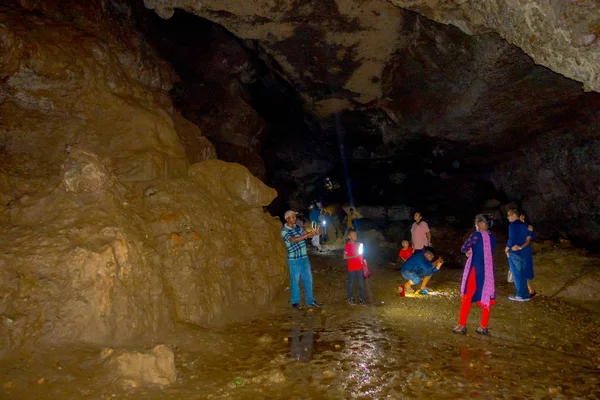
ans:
(294, 238)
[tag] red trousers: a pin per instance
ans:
(467, 298)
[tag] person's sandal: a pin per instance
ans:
(481, 331)
(460, 329)
(532, 294)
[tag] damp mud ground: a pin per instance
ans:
(394, 348)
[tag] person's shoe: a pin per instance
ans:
(362, 303)
(297, 306)
(315, 304)
(460, 329)
(519, 298)
(351, 302)
(424, 291)
(401, 291)
(532, 294)
(482, 331)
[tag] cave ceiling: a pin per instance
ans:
(479, 77)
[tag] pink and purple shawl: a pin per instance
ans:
(488, 291)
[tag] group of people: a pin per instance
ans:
(478, 284)
(420, 263)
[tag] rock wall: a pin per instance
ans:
(108, 238)
(65, 85)
(89, 258)
(562, 35)
(556, 178)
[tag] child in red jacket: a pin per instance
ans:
(353, 254)
(406, 251)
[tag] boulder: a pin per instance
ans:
(106, 240)
(83, 172)
(234, 180)
(133, 369)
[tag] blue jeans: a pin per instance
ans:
(300, 270)
(356, 276)
(517, 265)
(411, 275)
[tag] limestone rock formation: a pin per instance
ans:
(556, 178)
(346, 44)
(334, 52)
(561, 35)
(110, 266)
(106, 239)
(99, 92)
(133, 369)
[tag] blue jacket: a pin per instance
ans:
(419, 264)
(314, 214)
(517, 234)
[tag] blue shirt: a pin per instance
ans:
(419, 264)
(517, 234)
(297, 250)
(314, 214)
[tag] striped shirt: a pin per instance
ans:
(297, 250)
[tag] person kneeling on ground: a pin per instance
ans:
(355, 266)
(419, 268)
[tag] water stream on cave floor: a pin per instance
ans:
(394, 348)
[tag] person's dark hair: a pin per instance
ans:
(418, 212)
(435, 259)
(351, 209)
(514, 211)
(428, 249)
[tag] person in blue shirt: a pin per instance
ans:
(418, 269)
(294, 238)
(529, 256)
(517, 241)
(313, 215)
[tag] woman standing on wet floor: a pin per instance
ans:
(478, 277)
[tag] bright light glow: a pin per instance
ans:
(324, 223)
(360, 249)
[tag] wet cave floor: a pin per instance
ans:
(394, 348)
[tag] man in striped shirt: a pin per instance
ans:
(294, 238)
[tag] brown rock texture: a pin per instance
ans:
(334, 52)
(97, 92)
(107, 240)
(347, 43)
(110, 265)
(561, 35)
(132, 369)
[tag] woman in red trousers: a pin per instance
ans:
(478, 277)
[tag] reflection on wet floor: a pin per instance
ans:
(396, 348)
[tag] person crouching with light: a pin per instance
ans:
(419, 269)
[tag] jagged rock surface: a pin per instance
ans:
(107, 238)
(560, 35)
(333, 52)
